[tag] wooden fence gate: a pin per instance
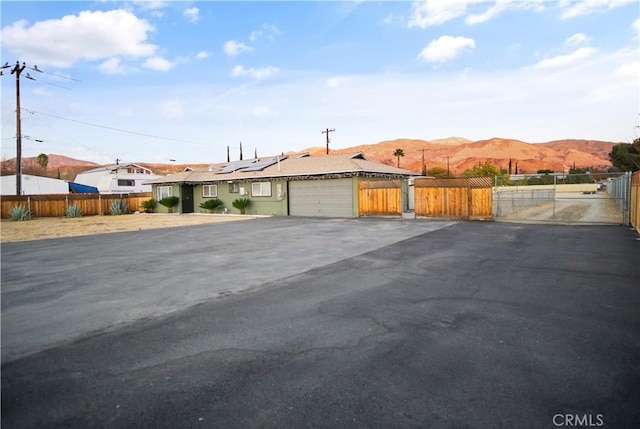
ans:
(380, 198)
(461, 198)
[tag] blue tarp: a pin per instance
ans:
(79, 188)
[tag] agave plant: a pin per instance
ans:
(212, 205)
(118, 207)
(19, 213)
(241, 204)
(73, 211)
(169, 202)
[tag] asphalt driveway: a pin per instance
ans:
(324, 323)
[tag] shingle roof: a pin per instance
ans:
(292, 167)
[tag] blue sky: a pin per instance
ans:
(154, 81)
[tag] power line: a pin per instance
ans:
(110, 128)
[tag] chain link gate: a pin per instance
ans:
(592, 198)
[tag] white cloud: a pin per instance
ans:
(89, 35)
(202, 55)
(125, 113)
(192, 14)
(565, 60)
(257, 73)
(336, 82)
(488, 14)
(577, 39)
(446, 48)
(233, 48)
(172, 109)
(636, 27)
(158, 64)
(587, 7)
(267, 31)
(428, 13)
(112, 66)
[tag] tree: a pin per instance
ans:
(398, 153)
(43, 161)
(485, 170)
(438, 172)
(626, 156)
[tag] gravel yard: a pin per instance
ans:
(50, 227)
(571, 208)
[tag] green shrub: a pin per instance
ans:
(73, 211)
(19, 213)
(241, 204)
(118, 207)
(149, 205)
(169, 202)
(212, 205)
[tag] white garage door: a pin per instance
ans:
(324, 198)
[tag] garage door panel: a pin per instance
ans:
(324, 198)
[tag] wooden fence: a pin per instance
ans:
(56, 205)
(460, 198)
(380, 198)
(634, 206)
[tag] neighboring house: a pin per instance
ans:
(295, 185)
(34, 185)
(117, 178)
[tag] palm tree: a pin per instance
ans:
(398, 153)
(43, 161)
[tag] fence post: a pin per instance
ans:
(99, 205)
(29, 205)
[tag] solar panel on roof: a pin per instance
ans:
(236, 165)
(262, 164)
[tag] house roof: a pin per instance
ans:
(287, 167)
(113, 167)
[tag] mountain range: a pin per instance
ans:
(455, 153)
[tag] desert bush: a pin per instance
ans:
(149, 205)
(73, 211)
(241, 204)
(212, 205)
(118, 207)
(19, 213)
(169, 202)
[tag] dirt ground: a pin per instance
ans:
(40, 228)
(571, 208)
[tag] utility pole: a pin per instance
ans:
(17, 70)
(447, 166)
(327, 131)
(424, 167)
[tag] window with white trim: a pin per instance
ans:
(209, 191)
(126, 182)
(261, 189)
(164, 191)
(234, 187)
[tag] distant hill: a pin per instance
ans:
(459, 153)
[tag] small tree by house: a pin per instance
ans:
(169, 202)
(241, 204)
(212, 205)
(149, 205)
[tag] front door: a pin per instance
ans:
(187, 198)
